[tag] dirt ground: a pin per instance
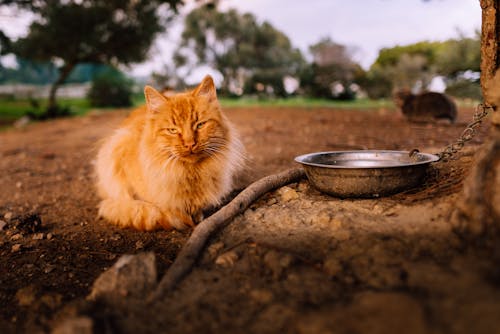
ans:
(297, 261)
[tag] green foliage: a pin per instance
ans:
(414, 66)
(391, 56)
(110, 89)
(238, 46)
(377, 83)
(465, 89)
(457, 56)
(332, 72)
(98, 31)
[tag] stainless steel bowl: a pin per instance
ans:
(365, 173)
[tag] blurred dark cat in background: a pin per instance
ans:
(426, 106)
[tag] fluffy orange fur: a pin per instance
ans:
(168, 161)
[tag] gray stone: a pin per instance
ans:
(131, 276)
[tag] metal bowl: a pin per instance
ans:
(365, 173)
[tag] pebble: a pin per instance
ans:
(131, 276)
(16, 236)
(49, 268)
(16, 248)
(214, 249)
(277, 262)
(8, 215)
(49, 236)
(227, 259)
(38, 236)
(287, 194)
(272, 201)
(26, 296)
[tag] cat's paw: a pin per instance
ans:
(148, 217)
(140, 215)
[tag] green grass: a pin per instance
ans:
(15, 108)
(305, 103)
(11, 109)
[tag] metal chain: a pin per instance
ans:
(480, 113)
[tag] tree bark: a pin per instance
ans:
(490, 40)
(52, 110)
(477, 217)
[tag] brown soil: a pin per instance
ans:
(52, 247)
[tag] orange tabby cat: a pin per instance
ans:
(168, 161)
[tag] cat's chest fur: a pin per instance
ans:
(193, 185)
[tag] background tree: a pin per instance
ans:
(408, 66)
(333, 70)
(110, 88)
(414, 66)
(99, 31)
(458, 61)
(237, 46)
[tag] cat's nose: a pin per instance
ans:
(189, 144)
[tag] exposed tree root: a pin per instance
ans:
(195, 244)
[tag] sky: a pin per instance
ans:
(365, 25)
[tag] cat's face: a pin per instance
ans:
(189, 126)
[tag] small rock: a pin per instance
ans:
(38, 236)
(287, 194)
(131, 276)
(19, 184)
(227, 259)
(52, 300)
(29, 223)
(50, 236)
(22, 122)
(73, 325)
(26, 296)
(139, 245)
(2, 225)
(277, 262)
(16, 236)
(272, 201)
(8, 215)
(49, 268)
(214, 249)
(302, 186)
(16, 248)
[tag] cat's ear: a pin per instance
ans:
(207, 89)
(154, 99)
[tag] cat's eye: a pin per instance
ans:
(172, 131)
(200, 125)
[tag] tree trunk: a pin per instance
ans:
(477, 217)
(52, 108)
(490, 40)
